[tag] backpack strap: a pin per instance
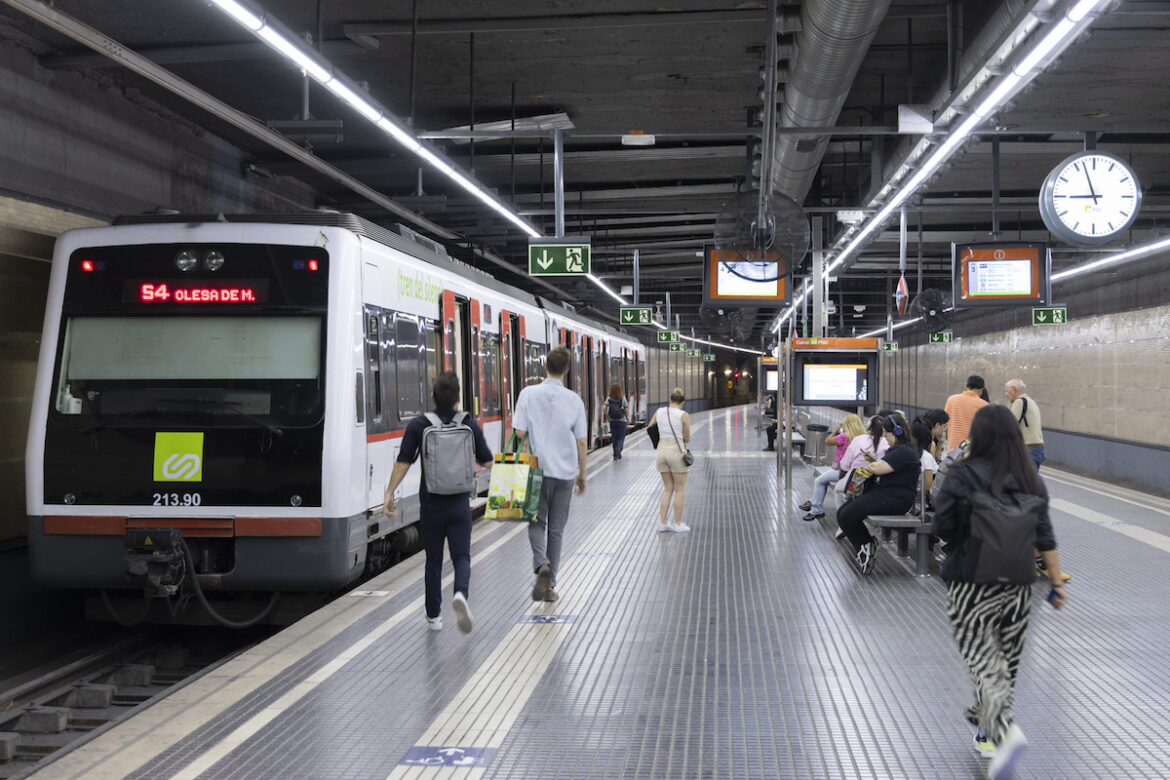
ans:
(433, 419)
(459, 418)
(1024, 412)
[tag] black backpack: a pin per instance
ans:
(615, 406)
(1003, 535)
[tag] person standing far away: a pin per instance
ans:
(553, 418)
(616, 410)
(442, 517)
(770, 413)
(674, 433)
(990, 618)
(961, 409)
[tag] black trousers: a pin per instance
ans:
(449, 522)
(851, 516)
(771, 431)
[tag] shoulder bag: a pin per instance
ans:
(688, 458)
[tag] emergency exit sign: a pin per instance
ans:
(562, 257)
(667, 336)
(635, 315)
(1052, 315)
(889, 346)
(709, 357)
(942, 337)
(677, 347)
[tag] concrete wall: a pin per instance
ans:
(1102, 381)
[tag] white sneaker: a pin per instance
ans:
(680, 528)
(462, 613)
(663, 527)
(435, 623)
(1003, 763)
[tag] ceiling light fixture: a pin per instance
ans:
(1058, 36)
(273, 33)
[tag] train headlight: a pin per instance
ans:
(295, 500)
(213, 260)
(186, 260)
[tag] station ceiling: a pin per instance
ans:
(689, 74)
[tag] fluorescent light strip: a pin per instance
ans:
(880, 331)
(308, 61)
(1007, 86)
(1121, 257)
(608, 291)
(692, 339)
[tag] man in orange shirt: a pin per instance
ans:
(961, 407)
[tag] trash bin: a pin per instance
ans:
(814, 444)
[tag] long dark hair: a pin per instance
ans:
(995, 437)
(875, 430)
(894, 421)
(922, 433)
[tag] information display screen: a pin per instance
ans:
(846, 382)
(742, 278)
(183, 291)
(772, 380)
(1000, 274)
(844, 378)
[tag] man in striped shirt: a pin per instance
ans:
(961, 408)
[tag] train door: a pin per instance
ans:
(604, 380)
(511, 364)
(457, 346)
(587, 382)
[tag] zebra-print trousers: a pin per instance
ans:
(989, 622)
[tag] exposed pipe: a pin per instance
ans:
(834, 38)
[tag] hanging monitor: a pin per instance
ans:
(1001, 274)
(835, 372)
(747, 277)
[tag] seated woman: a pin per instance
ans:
(893, 494)
(920, 429)
(936, 420)
(849, 429)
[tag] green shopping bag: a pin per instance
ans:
(514, 490)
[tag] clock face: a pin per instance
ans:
(1090, 198)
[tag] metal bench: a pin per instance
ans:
(903, 525)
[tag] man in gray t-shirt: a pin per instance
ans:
(553, 417)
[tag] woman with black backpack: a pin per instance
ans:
(615, 409)
(990, 511)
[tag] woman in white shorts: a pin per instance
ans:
(674, 432)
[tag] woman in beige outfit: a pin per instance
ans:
(674, 431)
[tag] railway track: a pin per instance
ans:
(53, 709)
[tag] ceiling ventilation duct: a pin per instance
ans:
(834, 38)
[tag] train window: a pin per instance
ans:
(434, 356)
(374, 363)
(408, 367)
(534, 364)
(360, 397)
(490, 357)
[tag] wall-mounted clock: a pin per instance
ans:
(1090, 198)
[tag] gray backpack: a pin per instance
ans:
(448, 453)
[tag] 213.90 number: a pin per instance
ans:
(177, 499)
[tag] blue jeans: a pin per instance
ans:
(546, 534)
(821, 487)
(1037, 456)
(451, 524)
(617, 430)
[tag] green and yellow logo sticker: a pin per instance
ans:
(178, 457)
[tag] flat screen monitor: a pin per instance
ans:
(1000, 274)
(745, 278)
(835, 379)
(772, 380)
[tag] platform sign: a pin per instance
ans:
(694, 352)
(889, 346)
(942, 337)
(668, 336)
(636, 315)
(709, 357)
(677, 347)
(1051, 315)
(560, 257)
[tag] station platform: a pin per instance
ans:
(750, 647)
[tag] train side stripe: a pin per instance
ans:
(91, 526)
(278, 526)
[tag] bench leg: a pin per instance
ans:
(903, 542)
(922, 567)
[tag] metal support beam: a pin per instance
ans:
(559, 180)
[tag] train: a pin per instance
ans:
(220, 400)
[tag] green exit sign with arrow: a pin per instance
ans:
(889, 346)
(559, 257)
(677, 347)
(667, 336)
(1052, 315)
(942, 337)
(636, 315)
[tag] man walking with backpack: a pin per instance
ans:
(450, 444)
(554, 418)
(616, 407)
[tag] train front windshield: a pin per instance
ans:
(200, 335)
(220, 367)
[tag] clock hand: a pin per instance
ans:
(1093, 193)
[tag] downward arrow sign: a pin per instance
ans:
(1042, 316)
(544, 261)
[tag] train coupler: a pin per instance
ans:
(156, 554)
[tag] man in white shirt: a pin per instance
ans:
(553, 417)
